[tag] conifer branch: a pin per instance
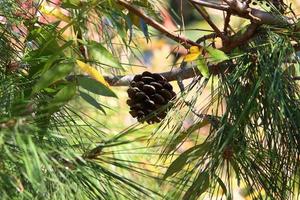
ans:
(226, 22)
(151, 22)
(237, 41)
(234, 7)
(238, 8)
(184, 73)
(208, 20)
(206, 37)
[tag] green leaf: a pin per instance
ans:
(198, 125)
(298, 25)
(65, 94)
(236, 169)
(91, 101)
(216, 55)
(75, 4)
(144, 28)
(46, 38)
(139, 23)
(184, 158)
(177, 165)
(52, 75)
(202, 67)
(199, 186)
(95, 87)
(54, 57)
(100, 54)
(181, 137)
(92, 72)
(62, 97)
(297, 69)
(222, 185)
(31, 160)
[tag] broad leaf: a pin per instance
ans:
(62, 97)
(202, 67)
(129, 27)
(71, 4)
(133, 19)
(100, 54)
(198, 125)
(88, 98)
(199, 186)
(53, 58)
(177, 165)
(216, 55)
(144, 28)
(47, 50)
(53, 12)
(65, 94)
(95, 86)
(186, 157)
(222, 185)
(92, 72)
(54, 74)
(183, 135)
(298, 25)
(194, 53)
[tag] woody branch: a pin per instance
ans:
(233, 7)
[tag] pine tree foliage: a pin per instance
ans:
(46, 143)
(257, 138)
(51, 150)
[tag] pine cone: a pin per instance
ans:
(149, 95)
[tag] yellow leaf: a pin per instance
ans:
(92, 72)
(55, 12)
(191, 57)
(194, 53)
(195, 49)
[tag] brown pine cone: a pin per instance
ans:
(150, 95)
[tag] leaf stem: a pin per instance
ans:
(208, 20)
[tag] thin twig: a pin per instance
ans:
(178, 38)
(226, 22)
(93, 153)
(208, 20)
(249, 13)
(237, 41)
(222, 7)
(238, 6)
(173, 75)
(261, 16)
(183, 73)
(206, 37)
